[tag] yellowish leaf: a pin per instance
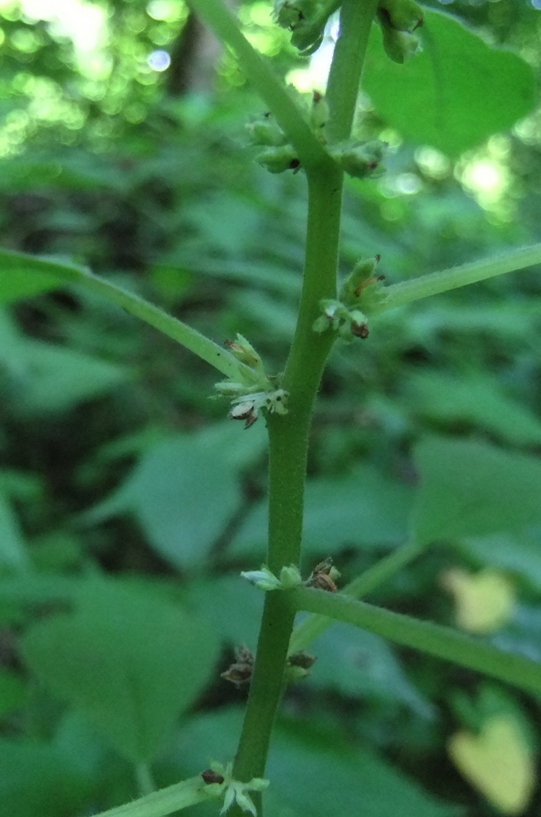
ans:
(484, 601)
(498, 762)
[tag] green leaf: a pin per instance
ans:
(478, 399)
(518, 552)
(455, 93)
(46, 377)
(364, 509)
(362, 664)
(471, 488)
(57, 378)
(37, 780)
(18, 279)
(131, 663)
(185, 490)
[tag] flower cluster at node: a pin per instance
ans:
(360, 293)
(254, 390)
(233, 791)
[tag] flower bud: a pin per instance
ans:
(402, 15)
(266, 131)
(359, 159)
(360, 276)
(279, 159)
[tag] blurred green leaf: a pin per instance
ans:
(185, 489)
(235, 611)
(518, 552)
(133, 664)
(37, 780)
(364, 508)
(361, 664)
(56, 378)
(19, 280)
(471, 488)
(453, 94)
(477, 399)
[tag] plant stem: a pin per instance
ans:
(288, 445)
(437, 282)
(312, 627)
(345, 73)
(165, 801)
(289, 434)
(434, 639)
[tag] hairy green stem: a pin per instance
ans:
(165, 801)
(437, 282)
(190, 338)
(289, 435)
(312, 627)
(434, 639)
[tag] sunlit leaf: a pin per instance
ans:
(484, 601)
(453, 94)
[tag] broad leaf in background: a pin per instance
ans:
(42, 378)
(361, 664)
(38, 780)
(365, 508)
(185, 489)
(472, 488)
(19, 280)
(484, 601)
(477, 399)
(518, 552)
(453, 94)
(131, 663)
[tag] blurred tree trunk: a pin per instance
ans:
(193, 59)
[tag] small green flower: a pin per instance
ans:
(235, 791)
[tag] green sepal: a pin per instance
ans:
(279, 159)
(357, 280)
(266, 131)
(399, 46)
(359, 159)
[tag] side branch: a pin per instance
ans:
(434, 639)
(437, 282)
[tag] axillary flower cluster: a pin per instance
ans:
(254, 390)
(360, 294)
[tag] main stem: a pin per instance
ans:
(289, 435)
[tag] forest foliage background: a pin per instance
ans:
(123, 147)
